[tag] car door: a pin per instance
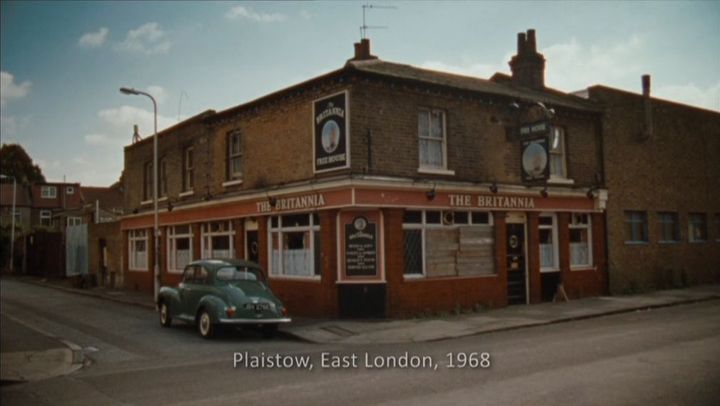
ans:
(185, 289)
(197, 289)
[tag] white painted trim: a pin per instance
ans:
(560, 181)
(146, 202)
(232, 183)
(435, 171)
(186, 193)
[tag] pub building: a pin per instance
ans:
(384, 190)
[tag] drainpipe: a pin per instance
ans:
(647, 109)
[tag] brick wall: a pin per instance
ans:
(675, 169)
(112, 235)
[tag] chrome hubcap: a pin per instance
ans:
(163, 313)
(204, 323)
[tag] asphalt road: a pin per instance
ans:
(664, 356)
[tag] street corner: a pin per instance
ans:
(31, 366)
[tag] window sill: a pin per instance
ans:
(583, 268)
(560, 181)
(436, 171)
(698, 242)
(418, 278)
(187, 193)
(138, 270)
(232, 183)
(669, 242)
(315, 278)
(549, 270)
(147, 202)
(637, 243)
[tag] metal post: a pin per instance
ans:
(12, 230)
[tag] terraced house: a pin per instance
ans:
(382, 190)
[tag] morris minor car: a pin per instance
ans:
(222, 292)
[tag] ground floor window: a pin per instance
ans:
(74, 221)
(217, 239)
(448, 243)
(138, 246)
(697, 227)
(295, 245)
(45, 218)
(580, 240)
(549, 260)
(636, 227)
(179, 247)
(669, 230)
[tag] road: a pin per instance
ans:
(663, 356)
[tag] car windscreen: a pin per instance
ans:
(232, 274)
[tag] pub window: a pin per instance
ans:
(580, 240)
(45, 218)
(148, 181)
(234, 155)
(162, 186)
(447, 243)
(697, 227)
(669, 227)
(48, 192)
(179, 247)
(432, 139)
(549, 261)
(73, 221)
(636, 227)
(295, 245)
(558, 168)
(217, 239)
(138, 246)
(188, 169)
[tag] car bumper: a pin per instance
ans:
(255, 321)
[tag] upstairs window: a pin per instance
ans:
(148, 181)
(636, 227)
(48, 192)
(669, 229)
(162, 185)
(697, 227)
(188, 169)
(558, 168)
(234, 155)
(432, 139)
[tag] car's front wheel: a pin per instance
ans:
(205, 325)
(165, 318)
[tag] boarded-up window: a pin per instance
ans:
(476, 253)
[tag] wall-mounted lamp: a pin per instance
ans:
(494, 187)
(136, 210)
(590, 192)
(544, 192)
(430, 194)
(170, 206)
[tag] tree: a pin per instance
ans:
(14, 161)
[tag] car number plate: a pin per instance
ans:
(258, 307)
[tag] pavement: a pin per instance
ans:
(29, 354)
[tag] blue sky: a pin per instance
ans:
(63, 62)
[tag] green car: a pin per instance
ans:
(227, 292)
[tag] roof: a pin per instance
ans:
(213, 264)
(108, 197)
(196, 118)
(498, 87)
(22, 195)
(602, 88)
(62, 199)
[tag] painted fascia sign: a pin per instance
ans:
(331, 141)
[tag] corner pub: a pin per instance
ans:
(384, 190)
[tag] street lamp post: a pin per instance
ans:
(12, 229)
(156, 266)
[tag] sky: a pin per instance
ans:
(62, 63)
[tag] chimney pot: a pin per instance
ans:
(531, 45)
(521, 43)
(362, 50)
(646, 85)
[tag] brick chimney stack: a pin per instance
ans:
(362, 51)
(528, 66)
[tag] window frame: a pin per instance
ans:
(661, 221)
(423, 167)
(572, 225)
(48, 192)
(135, 236)
(643, 223)
(562, 145)
(206, 235)
(73, 219)
(312, 227)
(703, 224)
(555, 241)
(45, 215)
(188, 169)
(69, 190)
(172, 237)
(230, 155)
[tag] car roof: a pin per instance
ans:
(215, 263)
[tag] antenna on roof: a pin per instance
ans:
(182, 92)
(364, 27)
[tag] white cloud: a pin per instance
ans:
(305, 14)
(118, 126)
(691, 94)
(147, 39)
(94, 39)
(103, 140)
(159, 93)
(249, 14)
(11, 90)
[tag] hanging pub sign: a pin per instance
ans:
(330, 133)
(534, 129)
(360, 248)
(535, 159)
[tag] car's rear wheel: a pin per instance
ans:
(165, 318)
(269, 330)
(205, 325)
